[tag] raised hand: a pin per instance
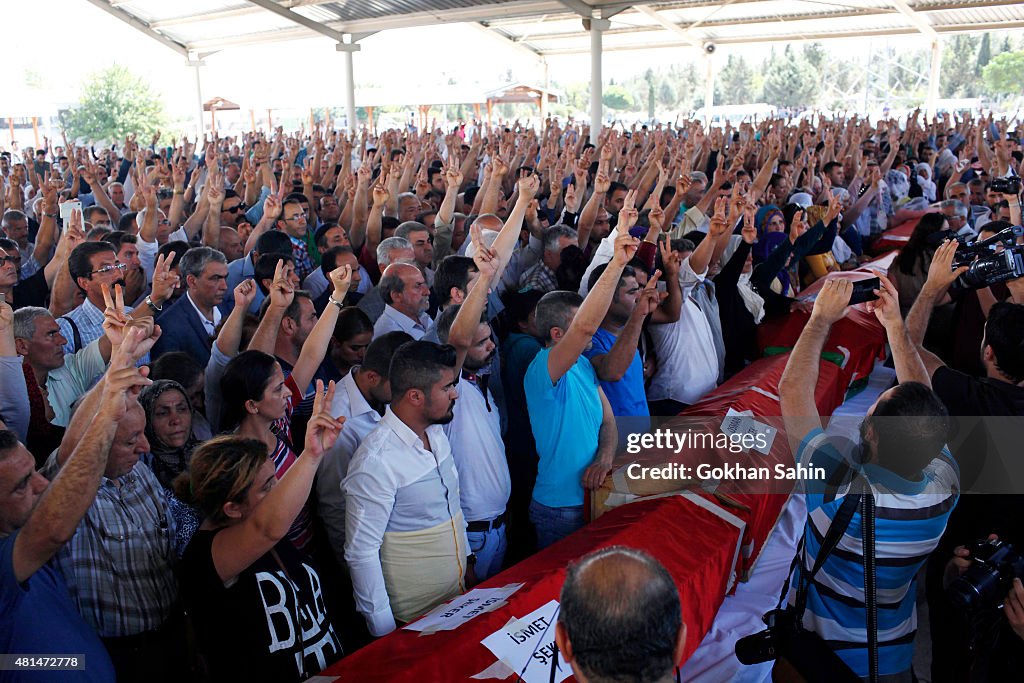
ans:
(272, 207)
(281, 291)
(341, 278)
(719, 219)
(887, 306)
(572, 199)
(453, 177)
(628, 215)
(749, 230)
(165, 281)
(941, 273)
(835, 207)
(322, 430)
(485, 258)
(650, 298)
(529, 186)
(832, 300)
(115, 320)
(671, 261)
(245, 293)
(625, 246)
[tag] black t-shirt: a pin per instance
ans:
(966, 395)
(248, 630)
(32, 291)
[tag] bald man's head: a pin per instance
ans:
(489, 221)
(403, 286)
(620, 618)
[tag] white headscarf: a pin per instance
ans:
(751, 299)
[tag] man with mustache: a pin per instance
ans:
(93, 265)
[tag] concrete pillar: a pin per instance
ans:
(596, 106)
(709, 82)
(933, 78)
(199, 101)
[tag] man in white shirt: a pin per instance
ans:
(687, 359)
(407, 297)
(406, 544)
(361, 398)
(475, 432)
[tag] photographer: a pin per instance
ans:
(998, 393)
(902, 444)
(1007, 653)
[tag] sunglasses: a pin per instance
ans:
(4, 260)
(236, 208)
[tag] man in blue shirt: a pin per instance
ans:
(614, 353)
(37, 615)
(913, 478)
(572, 420)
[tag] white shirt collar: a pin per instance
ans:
(211, 327)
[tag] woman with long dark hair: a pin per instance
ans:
(910, 269)
(352, 334)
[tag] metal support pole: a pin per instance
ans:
(709, 82)
(199, 101)
(596, 115)
(933, 78)
(350, 91)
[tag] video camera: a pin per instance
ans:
(994, 566)
(986, 265)
(1006, 185)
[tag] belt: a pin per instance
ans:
(496, 523)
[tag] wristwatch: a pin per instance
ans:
(152, 305)
(332, 300)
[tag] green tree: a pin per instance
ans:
(617, 97)
(789, 81)
(1002, 74)
(114, 103)
(736, 82)
(959, 67)
(815, 55)
(667, 94)
(984, 52)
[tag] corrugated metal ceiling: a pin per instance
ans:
(551, 27)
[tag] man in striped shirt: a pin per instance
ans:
(914, 481)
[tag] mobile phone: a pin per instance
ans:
(864, 290)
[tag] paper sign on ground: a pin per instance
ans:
(737, 422)
(458, 611)
(527, 645)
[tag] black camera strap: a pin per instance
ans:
(865, 502)
(840, 523)
(867, 516)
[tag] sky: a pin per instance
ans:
(62, 41)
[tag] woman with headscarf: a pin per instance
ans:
(768, 219)
(740, 307)
(924, 178)
(774, 277)
(169, 432)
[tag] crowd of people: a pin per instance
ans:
(265, 397)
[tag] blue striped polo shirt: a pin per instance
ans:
(910, 517)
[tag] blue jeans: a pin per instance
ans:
(554, 524)
(489, 548)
